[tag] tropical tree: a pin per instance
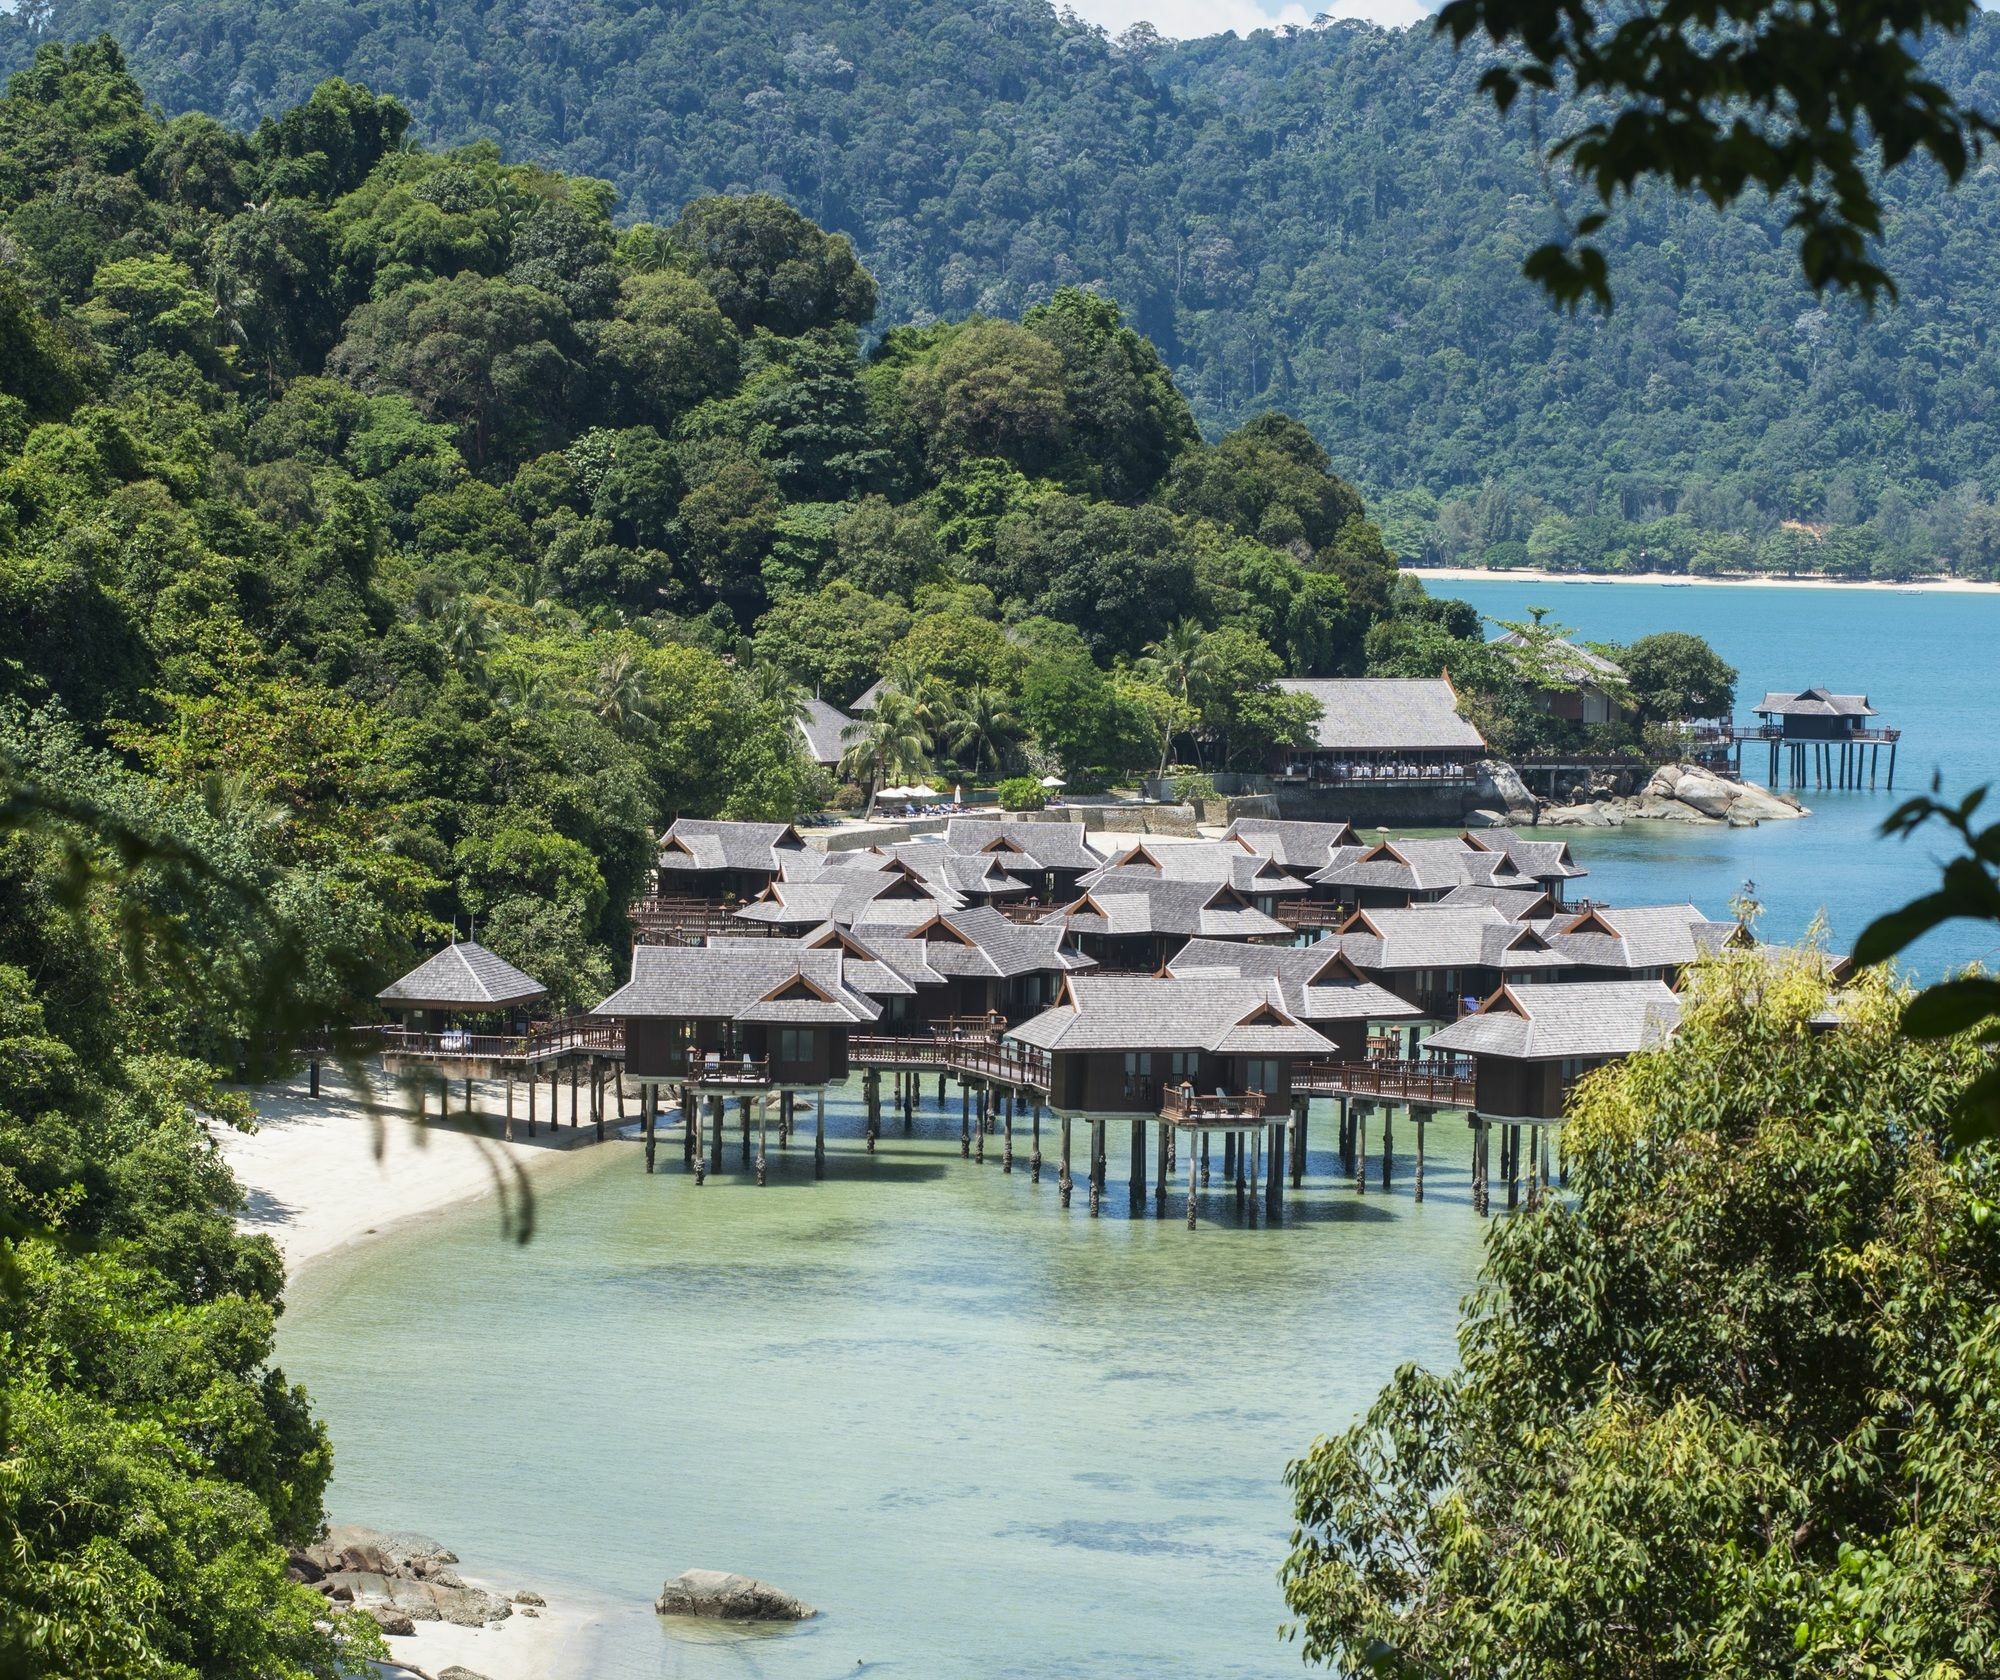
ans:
(1728, 1408)
(887, 745)
(981, 719)
(620, 693)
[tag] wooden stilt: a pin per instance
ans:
(1388, 1143)
(572, 1095)
(715, 1133)
(1360, 1115)
(1035, 1123)
(1165, 1169)
(1097, 1167)
(1063, 1180)
(1301, 1113)
(510, 1105)
(1203, 1169)
(690, 1131)
(532, 1084)
(1007, 1147)
(1137, 1186)
(1253, 1146)
(1513, 1166)
(979, 1119)
(1479, 1159)
(1274, 1185)
(618, 1088)
(819, 1137)
(763, 1106)
(1422, 1118)
(650, 1119)
(964, 1120)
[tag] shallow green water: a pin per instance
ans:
(986, 1436)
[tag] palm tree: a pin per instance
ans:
(888, 743)
(777, 689)
(462, 631)
(621, 692)
(1179, 662)
(929, 699)
(982, 722)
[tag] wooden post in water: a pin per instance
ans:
(1138, 1176)
(964, 1120)
(819, 1136)
(873, 1085)
(572, 1095)
(1388, 1142)
(1274, 1187)
(1063, 1180)
(690, 1130)
(651, 1101)
(1479, 1131)
(1098, 1166)
(1421, 1116)
(1359, 1111)
(1252, 1144)
(1035, 1122)
(1191, 1176)
(1513, 1168)
(1228, 1157)
(715, 1133)
(763, 1108)
(1165, 1169)
(979, 1122)
(1204, 1160)
(1301, 1113)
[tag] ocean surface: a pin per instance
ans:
(986, 1436)
(1930, 665)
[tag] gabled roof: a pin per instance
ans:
(826, 730)
(982, 874)
(1541, 860)
(1126, 903)
(847, 896)
(1202, 860)
(979, 941)
(696, 843)
(1579, 1018)
(1573, 664)
(1127, 1012)
(1420, 866)
(463, 976)
(1517, 904)
(1814, 702)
(1048, 845)
(732, 981)
(1430, 936)
(1635, 936)
(1296, 845)
(1317, 984)
(1386, 714)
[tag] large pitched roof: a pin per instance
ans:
(1233, 861)
(1043, 845)
(1814, 702)
(1544, 860)
(982, 942)
(772, 982)
(1421, 866)
(464, 976)
(1316, 984)
(698, 843)
(1566, 660)
(1296, 845)
(825, 729)
(1430, 936)
(1386, 714)
(1237, 1017)
(1634, 936)
(1578, 1018)
(1123, 903)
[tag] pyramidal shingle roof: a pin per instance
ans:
(464, 976)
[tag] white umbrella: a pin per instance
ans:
(897, 792)
(923, 791)
(1053, 782)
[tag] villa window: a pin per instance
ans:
(796, 1045)
(1138, 1064)
(1264, 1074)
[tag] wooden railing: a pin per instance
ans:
(964, 1057)
(541, 1040)
(1015, 911)
(663, 920)
(1184, 1107)
(1310, 913)
(747, 1071)
(1432, 1080)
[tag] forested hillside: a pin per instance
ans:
(1328, 223)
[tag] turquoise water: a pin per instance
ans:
(986, 1436)
(1930, 663)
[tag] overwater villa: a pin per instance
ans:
(1637, 941)
(712, 860)
(1301, 847)
(1259, 878)
(1819, 735)
(1132, 922)
(1317, 983)
(1444, 961)
(1050, 857)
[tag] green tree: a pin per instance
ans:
(767, 266)
(1794, 1480)
(992, 388)
(1675, 676)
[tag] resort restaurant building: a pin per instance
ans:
(1374, 729)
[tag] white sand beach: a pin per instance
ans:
(321, 1173)
(1530, 574)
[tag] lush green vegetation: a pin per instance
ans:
(1727, 1409)
(1329, 223)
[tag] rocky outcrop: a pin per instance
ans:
(1502, 793)
(1677, 793)
(399, 1579)
(729, 1598)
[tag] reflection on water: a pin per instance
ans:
(985, 1436)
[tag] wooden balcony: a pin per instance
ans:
(1432, 1081)
(1218, 1111)
(1310, 915)
(1016, 911)
(711, 1072)
(663, 920)
(962, 1057)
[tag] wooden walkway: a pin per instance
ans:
(1435, 1081)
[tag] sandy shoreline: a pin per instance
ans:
(321, 1176)
(1494, 574)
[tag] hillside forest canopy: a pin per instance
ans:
(1326, 223)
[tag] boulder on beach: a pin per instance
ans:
(390, 1620)
(729, 1598)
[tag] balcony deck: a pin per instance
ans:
(1433, 1081)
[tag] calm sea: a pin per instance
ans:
(988, 1437)
(1930, 663)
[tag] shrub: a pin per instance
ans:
(1021, 793)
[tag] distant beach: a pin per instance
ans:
(1530, 574)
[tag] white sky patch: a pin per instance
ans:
(1185, 20)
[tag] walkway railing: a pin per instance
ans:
(1448, 1084)
(543, 1039)
(664, 920)
(962, 1057)
(732, 1071)
(1310, 913)
(1190, 1108)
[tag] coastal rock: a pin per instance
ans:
(1487, 819)
(458, 1671)
(1500, 785)
(391, 1620)
(729, 1598)
(1689, 793)
(1599, 815)
(529, 1598)
(412, 1547)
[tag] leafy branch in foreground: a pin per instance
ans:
(1968, 890)
(1718, 96)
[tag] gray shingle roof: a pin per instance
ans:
(1517, 904)
(1542, 860)
(1201, 860)
(1566, 660)
(847, 896)
(739, 983)
(1429, 936)
(464, 976)
(1386, 714)
(1140, 904)
(1420, 866)
(697, 843)
(1296, 845)
(1046, 845)
(1127, 1012)
(1634, 936)
(1316, 984)
(1814, 702)
(1547, 1023)
(825, 729)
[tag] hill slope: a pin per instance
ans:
(1327, 222)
